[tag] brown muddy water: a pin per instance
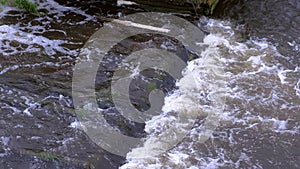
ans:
(258, 46)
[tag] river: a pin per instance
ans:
(257, 44)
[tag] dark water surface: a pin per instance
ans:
(259, 127)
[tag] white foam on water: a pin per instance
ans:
(35, 65)
(18, 126)
(14, 109)
(30, 37)
(5, 141)
(122, 2)
(196, 86)
(202, 81)
(59, 11)
(35, 43)
(263, 94)
(5, 9)
(295, 45)
(35, 138)
(282, 74)
(297, 88)
(257, 82)
(75, 124)
(35, 104)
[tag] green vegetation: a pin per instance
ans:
(151, 86)
(43, 155)
(28, 6)
(49, 156)
(3, 2)
(200, 3)
(23, 4)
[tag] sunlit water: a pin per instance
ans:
(258, 51)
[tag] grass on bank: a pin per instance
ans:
(23, 4)
(210, 3)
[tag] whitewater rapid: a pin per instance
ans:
(256, 112)
(250, 77)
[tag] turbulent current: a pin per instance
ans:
(242, 92)
(262, 106)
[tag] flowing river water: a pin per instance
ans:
(257, 44)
